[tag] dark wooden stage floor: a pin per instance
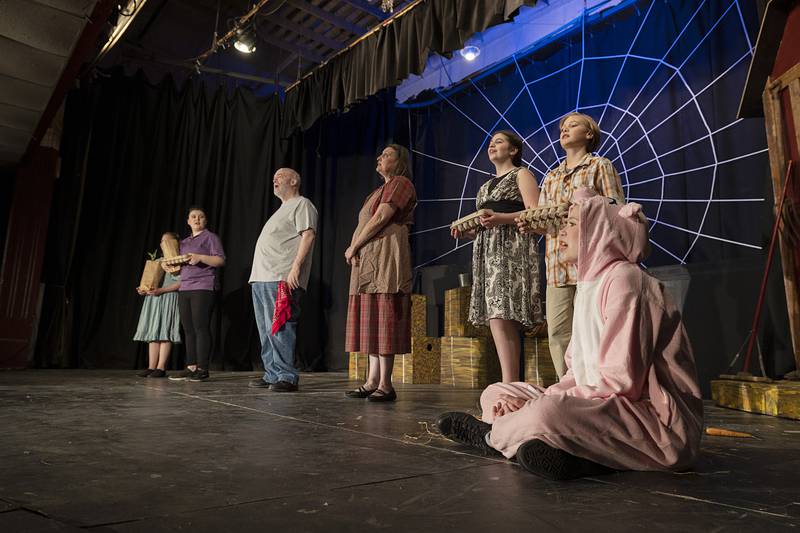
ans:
(106, 451)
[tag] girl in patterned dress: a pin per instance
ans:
(505, 263)
(159, 321)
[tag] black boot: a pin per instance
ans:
(551, 463)
(466, 429)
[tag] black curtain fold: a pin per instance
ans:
(389, 55)
(136, 156)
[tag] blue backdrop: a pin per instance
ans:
(663, 80)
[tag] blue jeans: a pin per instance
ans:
(277, 351)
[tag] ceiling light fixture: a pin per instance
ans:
(470, 52)
(245, 41)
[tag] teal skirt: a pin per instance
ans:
(159, 319)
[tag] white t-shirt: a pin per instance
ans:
(280, 239)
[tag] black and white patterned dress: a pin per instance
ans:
(505, 265)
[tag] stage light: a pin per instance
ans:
(245, 41)
(470, 52)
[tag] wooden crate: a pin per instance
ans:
(456, 311)
(359, 364)
(419, 315)
(539, 369)
(422, 365)
(778, 398)
(469, 362)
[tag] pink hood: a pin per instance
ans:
(608, 234)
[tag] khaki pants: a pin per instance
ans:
(559, 323)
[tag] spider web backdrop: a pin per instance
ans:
(663, 80)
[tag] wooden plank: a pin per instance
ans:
(780, 398)
(773, 123)
(789, 402)
(786, 79)
(774, 126)
(790, 269)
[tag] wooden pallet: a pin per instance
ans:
(778, 398)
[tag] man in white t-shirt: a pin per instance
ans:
(283, 253)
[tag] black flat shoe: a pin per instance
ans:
(538, 457)
(360, 392)
(382, 396)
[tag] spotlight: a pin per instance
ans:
(470, 52)
(245, 41)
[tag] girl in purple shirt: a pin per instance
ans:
(197, 293)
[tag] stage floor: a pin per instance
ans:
(107, 451)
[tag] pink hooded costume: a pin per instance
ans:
(629, 399)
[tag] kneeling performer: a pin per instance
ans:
(629, 399)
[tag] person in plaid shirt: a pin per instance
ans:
(580, 137)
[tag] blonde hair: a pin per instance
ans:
(590, 124)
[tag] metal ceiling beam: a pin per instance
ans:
(362, 5)
(302, 51)
(306, 32)
(320, 13)
(138, 53)
(292, 59)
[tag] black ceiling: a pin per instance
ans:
(294, 36)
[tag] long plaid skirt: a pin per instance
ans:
(379, 324)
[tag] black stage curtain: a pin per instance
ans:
(137, 156)
(389, 55)
(338, 168)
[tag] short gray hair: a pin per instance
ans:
(291, 173)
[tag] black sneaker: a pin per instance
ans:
(199, 375)
(541, 459)
(259, 384)
(144, 373)
(283, 386)
(466, 429)
(157, 373)
(183, 375)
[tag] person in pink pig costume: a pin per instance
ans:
(629, 399)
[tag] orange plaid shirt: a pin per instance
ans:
(559, 183)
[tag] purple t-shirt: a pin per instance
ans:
(200, 277)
